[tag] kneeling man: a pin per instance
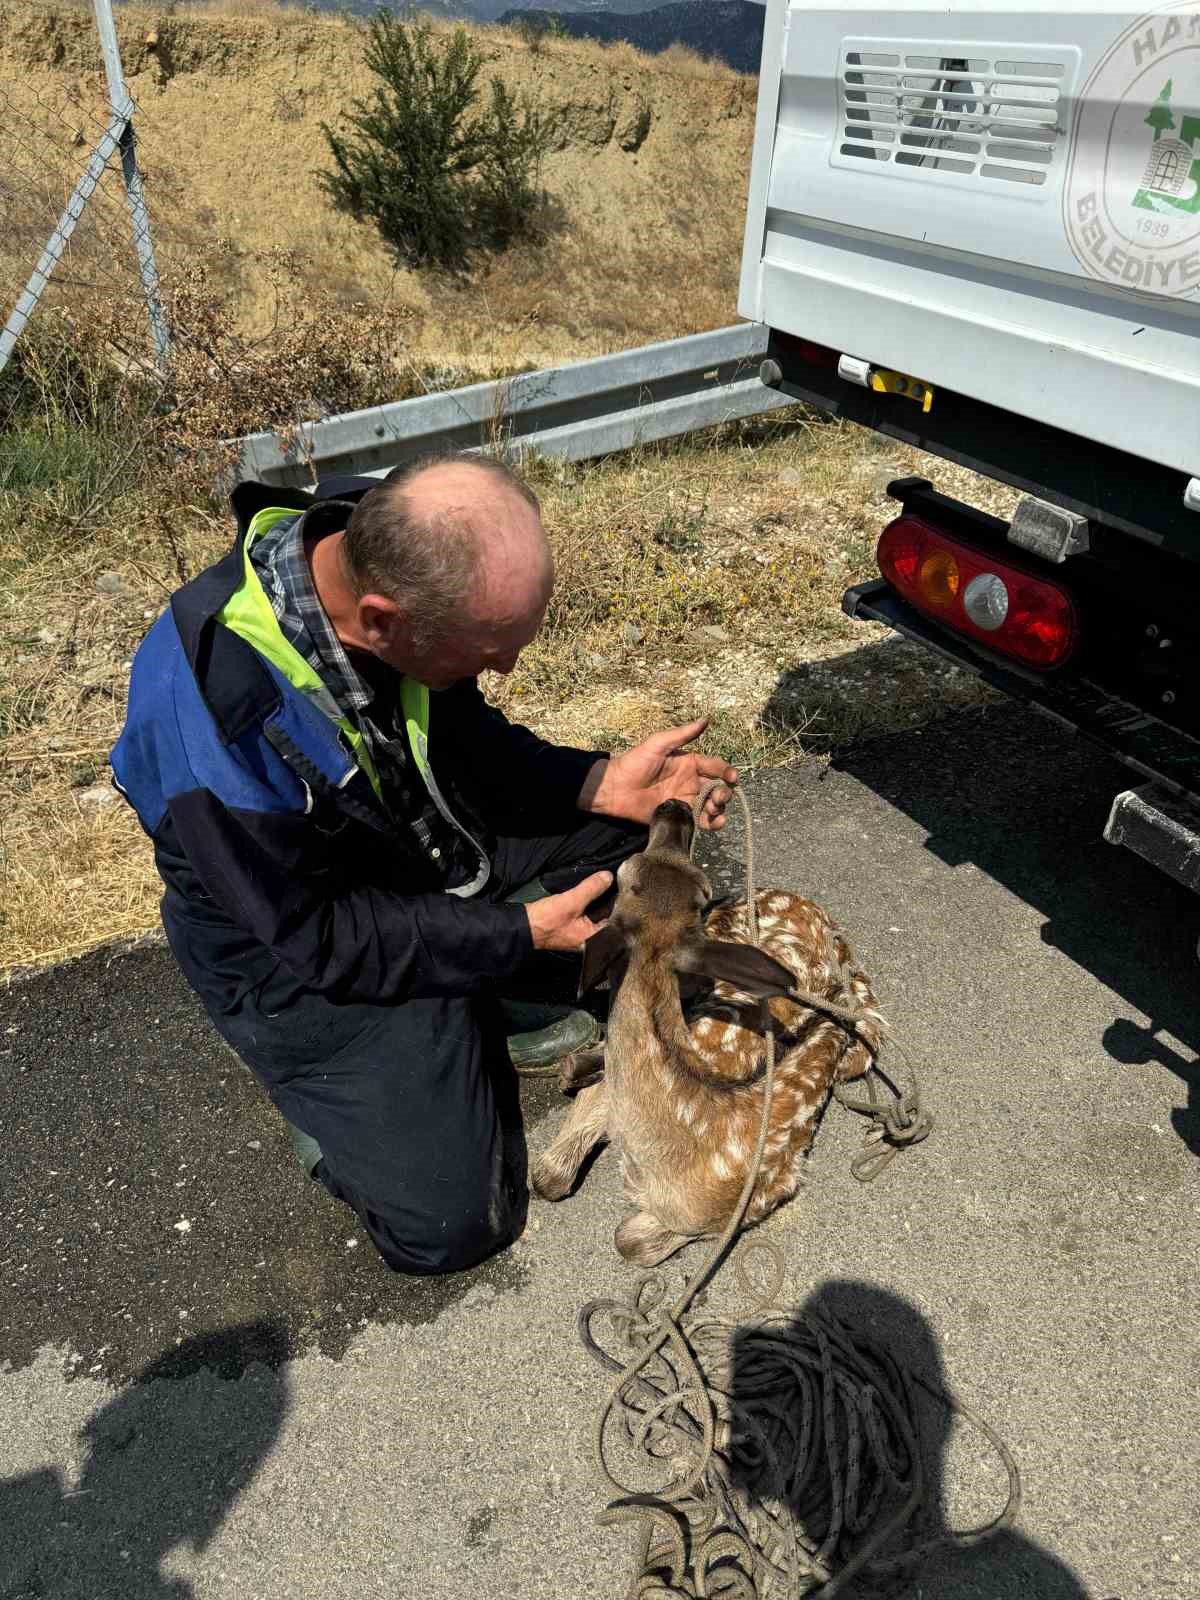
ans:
(365, 864)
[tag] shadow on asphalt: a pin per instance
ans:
(1026, 802)
(165, 1461)
(147, 1185)
(146, 1179)
(1006, 1567)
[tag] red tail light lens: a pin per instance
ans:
(1013, 612)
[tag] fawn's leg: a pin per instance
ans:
(554, 1172)
(644, 1241)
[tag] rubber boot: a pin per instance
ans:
(539, 1036)
(307, 1150)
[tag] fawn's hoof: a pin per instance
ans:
(643, 1241)
(580, 1070)
(549, 1182)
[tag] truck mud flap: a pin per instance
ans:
(1169, 758)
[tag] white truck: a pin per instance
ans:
(977, 229)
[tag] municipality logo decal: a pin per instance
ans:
(1132, 197)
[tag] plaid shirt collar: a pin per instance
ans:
(283, 570)
(282, 567)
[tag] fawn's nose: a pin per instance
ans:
(672, 826)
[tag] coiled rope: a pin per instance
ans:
(791, 1443)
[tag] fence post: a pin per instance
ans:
(118, 96)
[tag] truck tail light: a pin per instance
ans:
(1013, 612)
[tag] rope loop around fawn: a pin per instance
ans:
(899, 1122)
(785, 1450)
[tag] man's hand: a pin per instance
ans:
(634, 784)
(559, 922)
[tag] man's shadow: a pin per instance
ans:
(1137, 1045)
(166, 1460)
(1007, 1566)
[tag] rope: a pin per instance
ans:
(901, 1123)
(791, 1444)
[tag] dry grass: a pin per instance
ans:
(752, 534)
(647, 240)
(698, 578)
(74, 867)
(705, 578)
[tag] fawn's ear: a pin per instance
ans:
(604, 956)
(744, 966)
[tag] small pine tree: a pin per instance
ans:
(438, 178)
(516, 137)
(531, 30)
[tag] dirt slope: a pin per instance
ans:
(650, 178)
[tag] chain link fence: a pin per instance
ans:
(84, 348)
(138, 342)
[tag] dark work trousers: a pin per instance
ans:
(415, 1105)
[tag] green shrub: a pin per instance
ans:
(439, 176)
(536, 27)
(32, 459)
(508, 195)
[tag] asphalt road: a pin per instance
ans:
(210, 1387)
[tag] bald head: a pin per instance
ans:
(451, 568)
(498, 521)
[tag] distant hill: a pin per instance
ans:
(494, 10)
(619, 11)
(579, 7)
(727, 30)
(442, 10)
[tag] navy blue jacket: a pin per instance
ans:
(283, 877)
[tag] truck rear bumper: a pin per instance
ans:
(1161, 829)
(1152, 748)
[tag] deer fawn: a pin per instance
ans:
(682, 1092)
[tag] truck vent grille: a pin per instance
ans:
(952, 113)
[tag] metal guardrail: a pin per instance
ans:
(586, 409)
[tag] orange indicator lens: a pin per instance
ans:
(938, 579)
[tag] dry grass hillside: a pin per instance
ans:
(702, 577)
(648, 181)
